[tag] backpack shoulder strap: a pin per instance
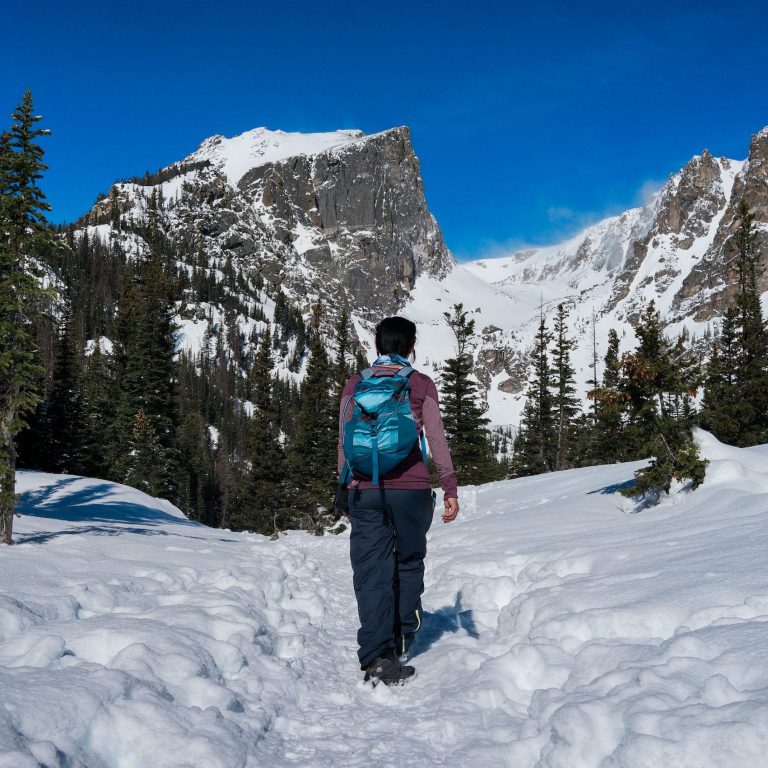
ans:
(366, 374)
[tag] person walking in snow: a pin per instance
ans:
(386, 413)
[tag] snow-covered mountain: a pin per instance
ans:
(341, 218)
(674, 251)
(559, 630)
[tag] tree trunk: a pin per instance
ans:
(7, 478)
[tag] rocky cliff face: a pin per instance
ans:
(707, 288)
(686, 213)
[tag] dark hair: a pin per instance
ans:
(395, 336)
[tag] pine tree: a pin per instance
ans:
(534, 445)
(311, 459)
(752, 353)
(64, 407)
(465, 425)
(654, 375)
(197, 439)
(594, 382)
(98, 412)
(141, 469)
(24, 237)
(735, 406)
(608, 442)
(264, 484)
(720, 407)
(197, 486)
(146, 414)
(565, 404)
(361, 361)
(342, 369)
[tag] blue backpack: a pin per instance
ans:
(382, 431)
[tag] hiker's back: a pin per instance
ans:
(381, 430)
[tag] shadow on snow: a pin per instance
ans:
(94, 504)
(615, 488)
(451, 618)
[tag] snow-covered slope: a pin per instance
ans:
(674, 251)
(560, 630)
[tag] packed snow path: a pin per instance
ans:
(561, 631)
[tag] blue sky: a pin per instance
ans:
(530, 119)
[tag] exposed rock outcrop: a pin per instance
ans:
(709, 285)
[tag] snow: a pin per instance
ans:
(611, 241)
(106, 346)
(189, 335)
(171, 189)
(431, 297)
(260, 146)
(304, 240)
(560, 629)
(246, 406)
(102, 232)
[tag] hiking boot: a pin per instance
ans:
(388, 670)
(403, 644)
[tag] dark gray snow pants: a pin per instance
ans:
(388, 543)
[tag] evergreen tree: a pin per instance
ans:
(64, 407)
(140, 469)
(197, 439)
(465, 425)
(311, 460)
(197, 492)
(300, 348)
(565, 404)
(752, 352)
(146, 415)
(608, 442)
(98, 413)
(534, 446)
(735, 406)
(361, 361)
(654, 375)
(264, 487)
(720, 407)
(342, 368)
(24, 237)
(594, 382)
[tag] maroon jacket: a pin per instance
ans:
(410, 473)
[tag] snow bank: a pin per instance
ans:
(560, 630)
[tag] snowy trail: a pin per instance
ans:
(559, 631)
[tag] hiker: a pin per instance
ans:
(390, 501)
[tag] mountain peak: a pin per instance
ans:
(237, 155)
(758, 147)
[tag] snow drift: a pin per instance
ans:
(561, 630)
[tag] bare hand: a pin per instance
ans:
(451, 510)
